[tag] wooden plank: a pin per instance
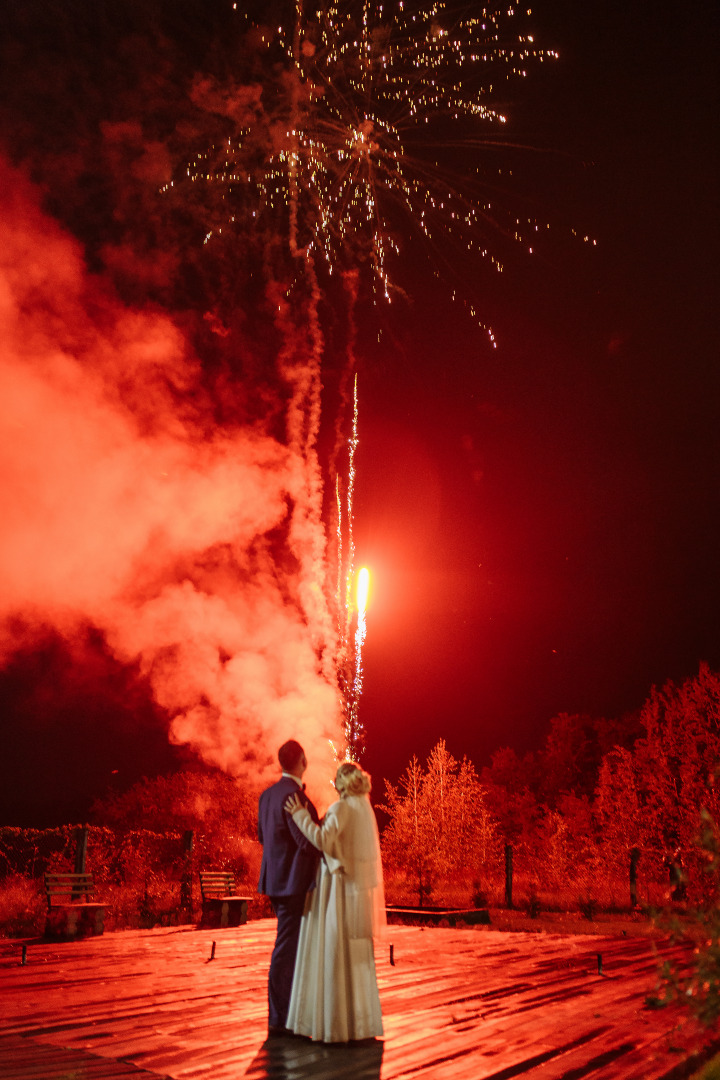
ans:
(471, 1004)
(279, 1059)
(24, 1059)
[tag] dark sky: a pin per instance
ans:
(540, 519)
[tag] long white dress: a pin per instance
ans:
(334, 993)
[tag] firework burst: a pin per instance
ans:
(350, 134)
(340, 149)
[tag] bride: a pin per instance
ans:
(334, 993)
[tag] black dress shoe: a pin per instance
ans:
(274, 1030)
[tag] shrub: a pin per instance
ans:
(534, 906)
(698, 987)
(479, 898)
(22, 907)
(588, 907)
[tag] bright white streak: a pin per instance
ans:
(363, 581)
(363, 584)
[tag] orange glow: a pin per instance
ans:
(363, 584)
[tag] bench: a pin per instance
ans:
(68, 914)
(220, 905)
(435, 916)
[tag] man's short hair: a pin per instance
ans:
(289, 755)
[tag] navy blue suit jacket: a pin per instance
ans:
(289, 861)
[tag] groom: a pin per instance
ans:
(289, 863)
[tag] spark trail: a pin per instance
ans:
(348, 148)
(348, 647)
(356, 732)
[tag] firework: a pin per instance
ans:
(340, 149)
(348, 656)
(342, 132)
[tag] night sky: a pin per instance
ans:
(539, 519)
(543, 519)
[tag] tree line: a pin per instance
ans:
(595, 796)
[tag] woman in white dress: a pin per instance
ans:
(334, 993)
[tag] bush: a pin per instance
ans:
(588, 906)
(534, 906)
(22, 907)
(699, 987)
(138, 874)
(479, 898)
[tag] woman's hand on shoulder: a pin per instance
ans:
(292, 804)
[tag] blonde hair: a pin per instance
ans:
(350, 779)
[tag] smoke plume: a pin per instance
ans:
(125, 506)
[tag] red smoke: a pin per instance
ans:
(125, 506)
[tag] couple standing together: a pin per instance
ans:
(325, 883)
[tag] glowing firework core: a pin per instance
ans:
(363, 584)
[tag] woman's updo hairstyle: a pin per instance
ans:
(350, 779)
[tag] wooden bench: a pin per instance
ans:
(220, 905)
(435, 916)
(72, 911)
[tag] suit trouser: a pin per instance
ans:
(289, 911)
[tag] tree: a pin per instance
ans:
(407, 839)
(439, 824)
(509, 783)
(221, 814)
(650, 796)
(619, 806)
(570, 757)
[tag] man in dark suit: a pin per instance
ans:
(289, 864)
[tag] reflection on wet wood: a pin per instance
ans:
(465, 1004)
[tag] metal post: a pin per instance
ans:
(186, 879)
(634, 859)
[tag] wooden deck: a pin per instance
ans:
(466, 1004)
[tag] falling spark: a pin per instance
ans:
(340, 150)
